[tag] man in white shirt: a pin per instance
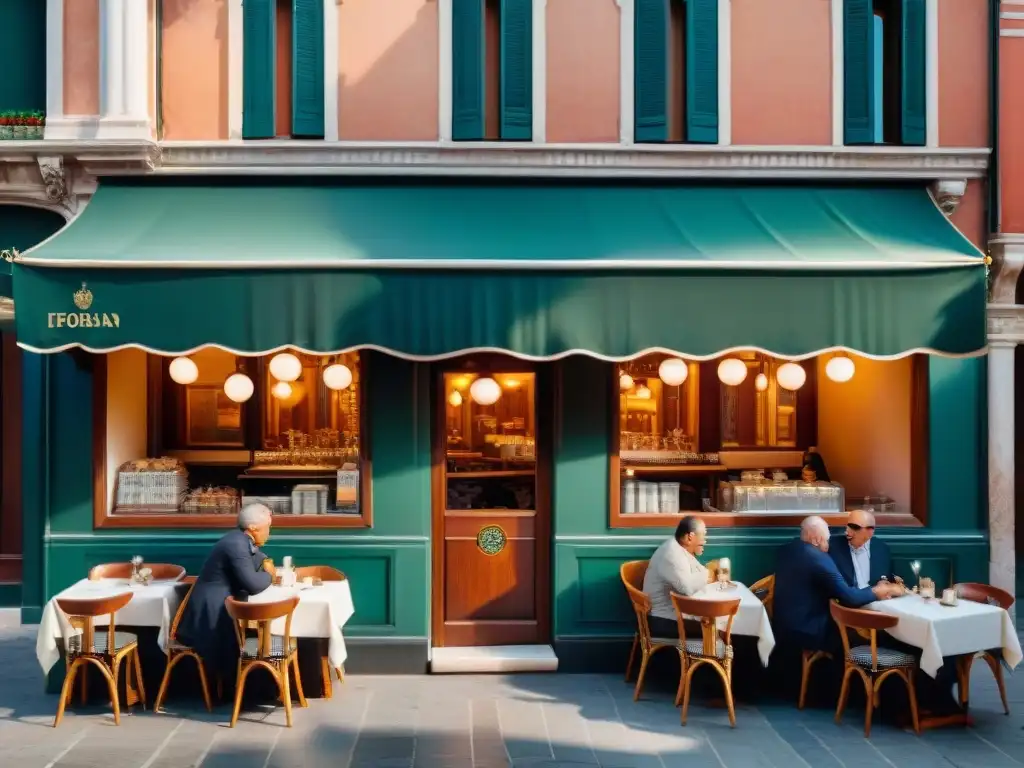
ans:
(674, 568)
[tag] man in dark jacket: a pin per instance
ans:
(235, 568)
(862, 560)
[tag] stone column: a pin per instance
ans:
(1001, 465)
(124, 69)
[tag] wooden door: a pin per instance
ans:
(491, 502)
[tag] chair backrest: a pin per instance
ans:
(243, 614)
(764, 590)
(82, 614)
(707, 612)
(191, 582)
(985, 593)
(632, 575)
(161, 571)
(322, 572)
(866, 623)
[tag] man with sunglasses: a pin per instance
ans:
(862, 561)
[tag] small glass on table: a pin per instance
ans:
(724, 575)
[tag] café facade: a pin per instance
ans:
(478, 398)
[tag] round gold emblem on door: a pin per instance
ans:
(491, 540)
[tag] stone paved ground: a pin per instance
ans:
(452, 722)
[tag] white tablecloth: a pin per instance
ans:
(941, 631)
(322, 612)
(751, 618)
(151, 606)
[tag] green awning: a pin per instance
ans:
(433, 270)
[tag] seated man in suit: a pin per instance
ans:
(806, 579)
(235, 568)
(862, 562)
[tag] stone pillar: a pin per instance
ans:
(1001, 465)
(124, 70)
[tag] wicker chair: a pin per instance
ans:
(324, 573)
(983, 593)
(871, 663)
(105, 650)
(764, 590)
(161, 571)
(176, 651)
(632, 574)
(713, 648)
(278, 654)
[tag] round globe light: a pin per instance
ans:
(840, 369)
(761, 382)
(337, 376)
(285, 367)
(643, 393)
(282, 390)
(183, 370)
(485, 391)
(673, 371)
(238, 387)
(455, 399)
(732, 371)
(791, 376)
(625, 381)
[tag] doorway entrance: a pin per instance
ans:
(491, 503)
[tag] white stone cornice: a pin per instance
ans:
(1007, 252)
(289, 157)
(1005, 324)
(46, 182)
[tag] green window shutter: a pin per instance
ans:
(913, 101)
(650, 70)
(468, 70)
(308, 68)
(258, 74)
(858, 84)
(516, 70)
(702, 71)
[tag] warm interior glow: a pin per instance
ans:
(455, 399)
(732, 371)
(337, 376)
(285, 367)
(791, 376)
(673, 371)
(625, 381)
(761, 382)
(282, 390)
(840, 369)
(183, 370)
(485, 391)
(239, 387)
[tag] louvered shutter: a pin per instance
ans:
(650, 70)
(308, 68)
(258, 86)
(913, 67)
(702, 71)
(858, 83)
(516, 70)
(468, 70)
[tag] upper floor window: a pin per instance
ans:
(283, 69)
(676, 71)
(492, 70)
(884, 72)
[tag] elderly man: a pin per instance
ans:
(806, 579)
(235, 568)
(862, 562)
(674, 568)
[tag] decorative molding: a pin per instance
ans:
(838, 87)
(724, 73)
(1005, 325)
(931, 38)
(948, 193)
(292, 157)
(1007, 251)
(46, 182)
(539, 72)
(627, 62)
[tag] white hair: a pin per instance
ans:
(814, 530)
(253, 515)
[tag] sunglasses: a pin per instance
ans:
(855, 527)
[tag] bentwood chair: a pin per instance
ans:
(807, 661)
(764, 590)
(278, 654)
(105, 650)
(632, 574)
(161, 571)
(324, 573)
(713, 648)
(176, 651)
(870, 662)
(983, 593)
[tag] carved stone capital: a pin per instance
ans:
(1007, 251)
(948, 193)
(1005, 325)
